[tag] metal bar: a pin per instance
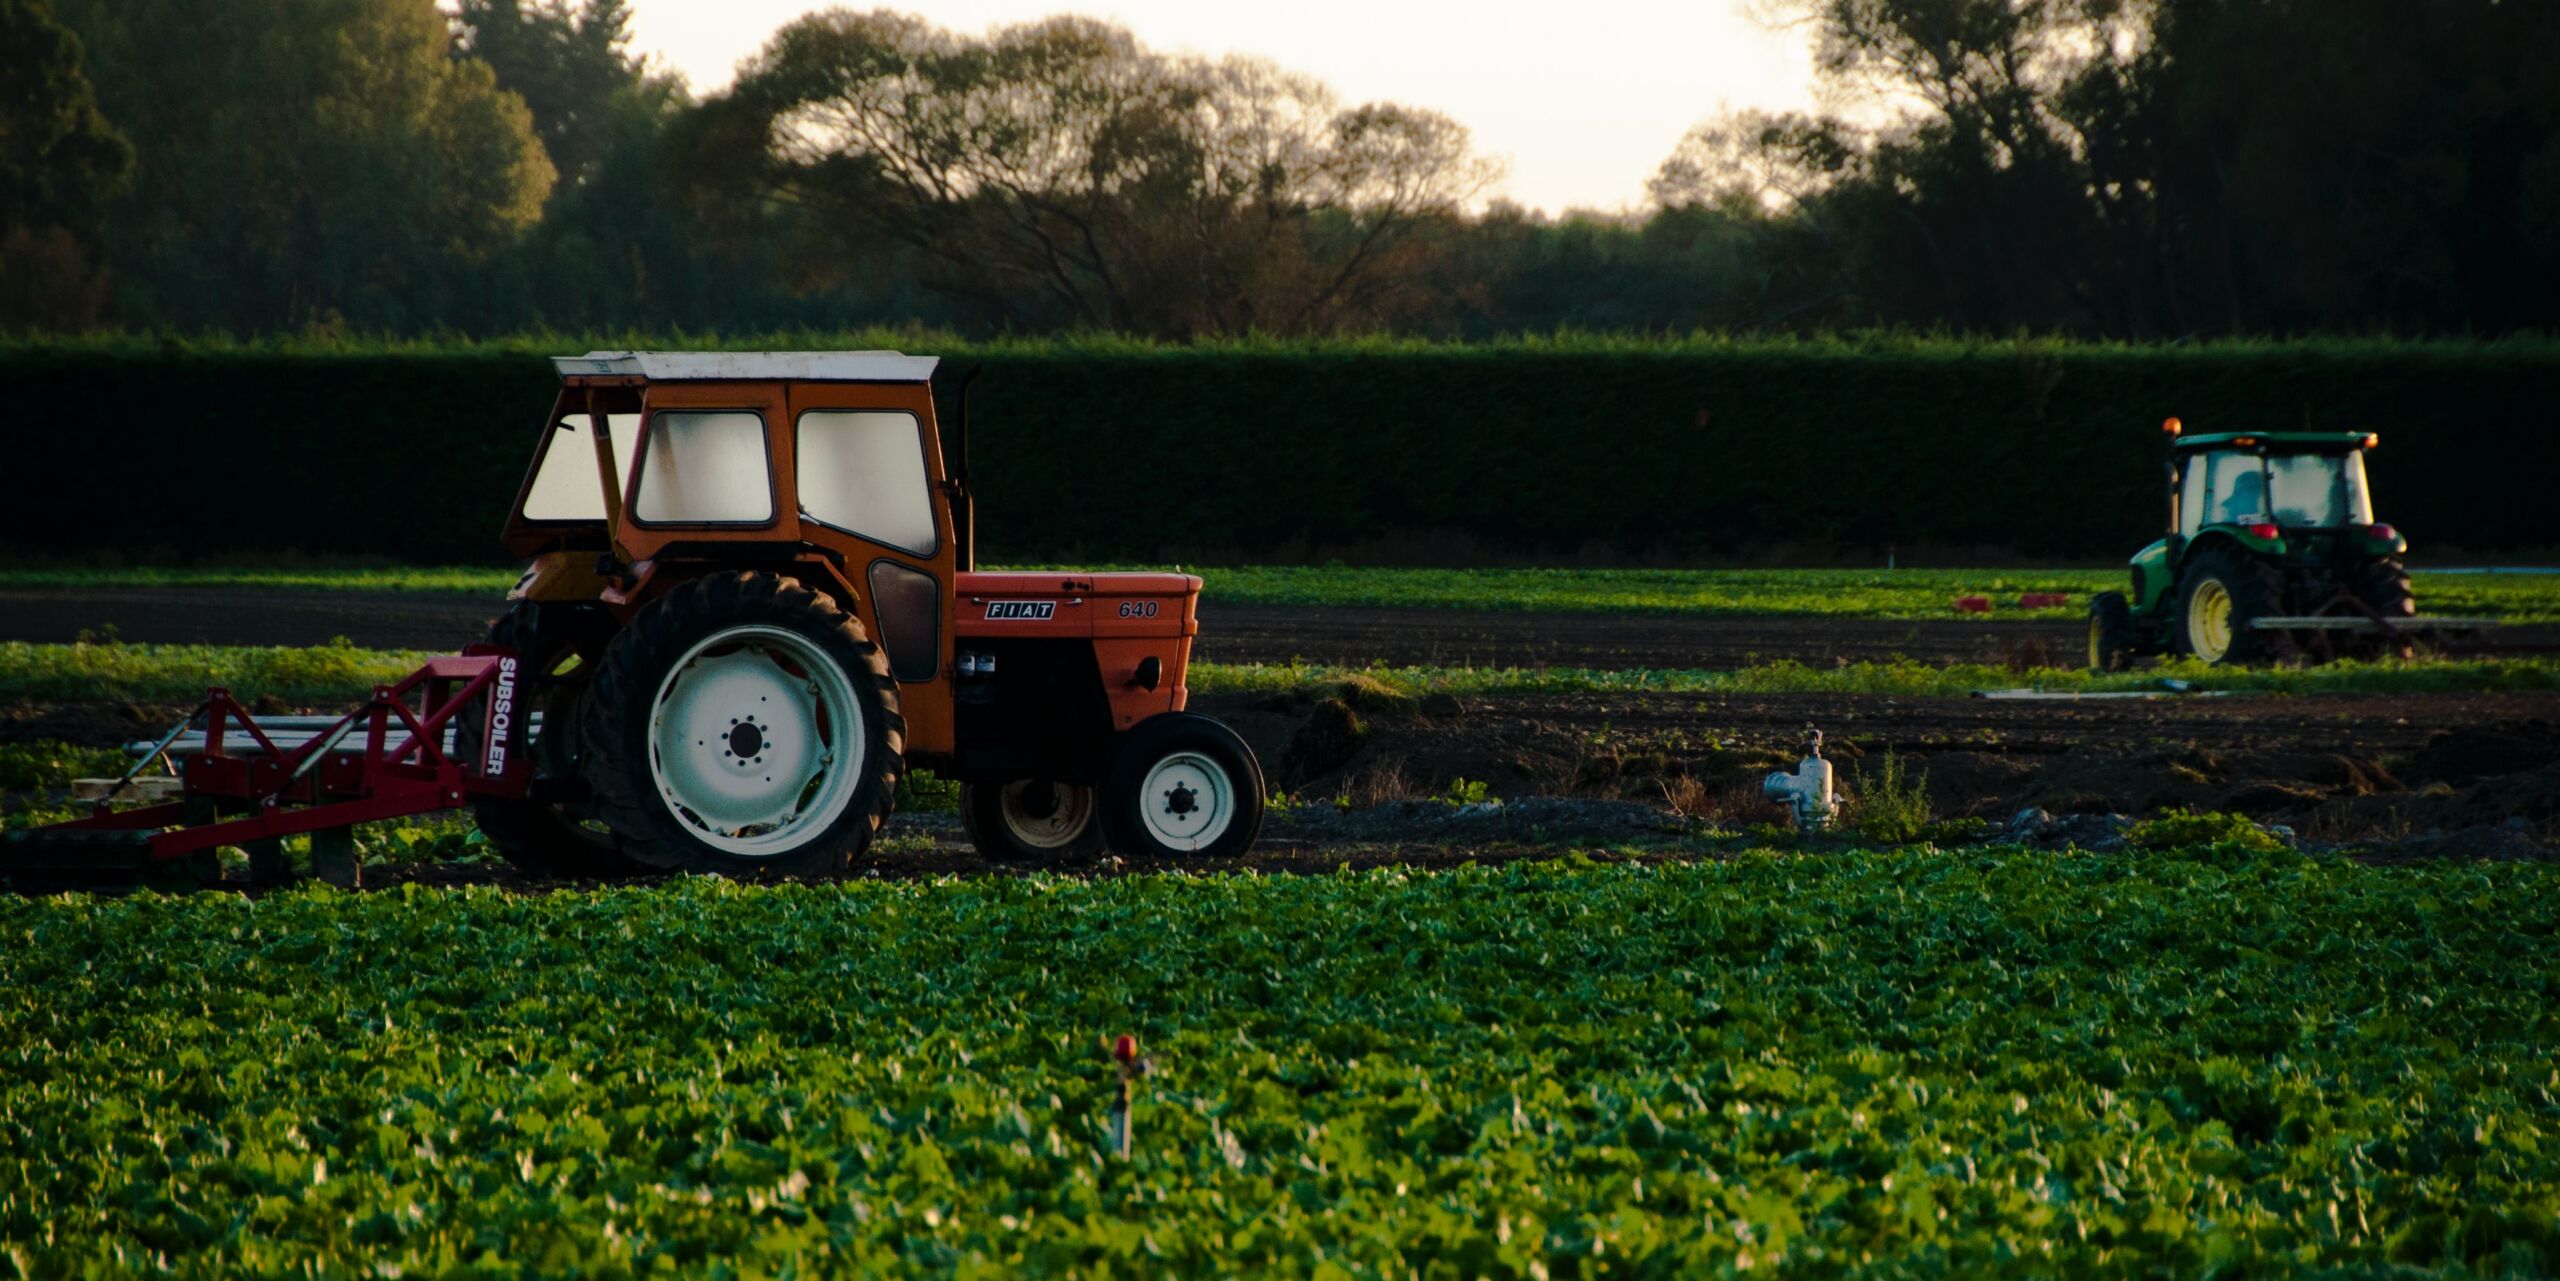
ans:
(2351, 623)
(154, 753)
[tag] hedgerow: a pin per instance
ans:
(1267, 450)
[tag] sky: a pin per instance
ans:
(1581, 100)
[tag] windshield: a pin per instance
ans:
(2318, 490)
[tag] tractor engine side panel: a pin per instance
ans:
(1104, 652)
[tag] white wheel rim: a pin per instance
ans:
(1042, 815)
(756, 742)
(1187, 801)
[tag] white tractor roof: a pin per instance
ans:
(750, 366)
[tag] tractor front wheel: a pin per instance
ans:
(1182, 784)
(2222, 595)
(2112, 636)
(743, 724)
(1036, 821)
(558, 644)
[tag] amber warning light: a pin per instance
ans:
(2171, 427)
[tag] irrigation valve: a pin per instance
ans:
(1123, 1053)
(1807, 792)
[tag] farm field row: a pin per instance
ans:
(1811, 593)
(1902, 1062)
(326, 673)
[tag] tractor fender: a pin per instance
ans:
(2380, 540)
(2154, 577)
(2232, 535)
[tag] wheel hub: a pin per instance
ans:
(1046, 815)
(756, 740)
(1191, 800)
(2209, 620)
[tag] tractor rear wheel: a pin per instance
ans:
(1036, 821)
(2112, 637)
(2223, 593)
(1182, 783)
(2384, 587)
(743, 724)
(558, 644)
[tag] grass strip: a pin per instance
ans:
(1902, 594)
(335, 673)
(1907, 1063)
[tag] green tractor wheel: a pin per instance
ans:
(2112, 637)
(2223, 593)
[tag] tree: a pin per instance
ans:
(570, 61)
(304, 161)
(60, 165)
(1059, 174)
(2149, 168)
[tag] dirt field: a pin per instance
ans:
(2390, 768)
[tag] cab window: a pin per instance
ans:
(565, 487)
(863, 471)
(2235, 489)
(704, 468)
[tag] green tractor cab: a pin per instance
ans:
(2272, 552)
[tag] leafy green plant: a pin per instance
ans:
(1892, 805)
(923, 791)
(46, 766)
(2180, 829)
(2116, 1066)
(1465, 791)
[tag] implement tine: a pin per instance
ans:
(155, 754)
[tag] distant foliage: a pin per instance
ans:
(305, 164)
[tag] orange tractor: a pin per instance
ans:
(751, 606)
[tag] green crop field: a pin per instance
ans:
(336, 673)
(1844, 593)
(1870, 1064)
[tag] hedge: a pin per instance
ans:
(1596, 448)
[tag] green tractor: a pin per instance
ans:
(2272, 553)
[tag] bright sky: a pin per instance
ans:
(1583, 100)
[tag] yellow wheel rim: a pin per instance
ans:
(2097, 654)
(2209, 620)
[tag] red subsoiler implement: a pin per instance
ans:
(388, 758)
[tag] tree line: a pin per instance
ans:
(2140, 169)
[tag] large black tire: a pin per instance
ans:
(2249, 588)
(2113, 638)
(560, 644)
(2383, 585)
(1036, 822)
(1182, 784)
(718, 681)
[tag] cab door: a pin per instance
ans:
(866, 481)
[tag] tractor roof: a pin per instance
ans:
(2279, 439)
(749, 366)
